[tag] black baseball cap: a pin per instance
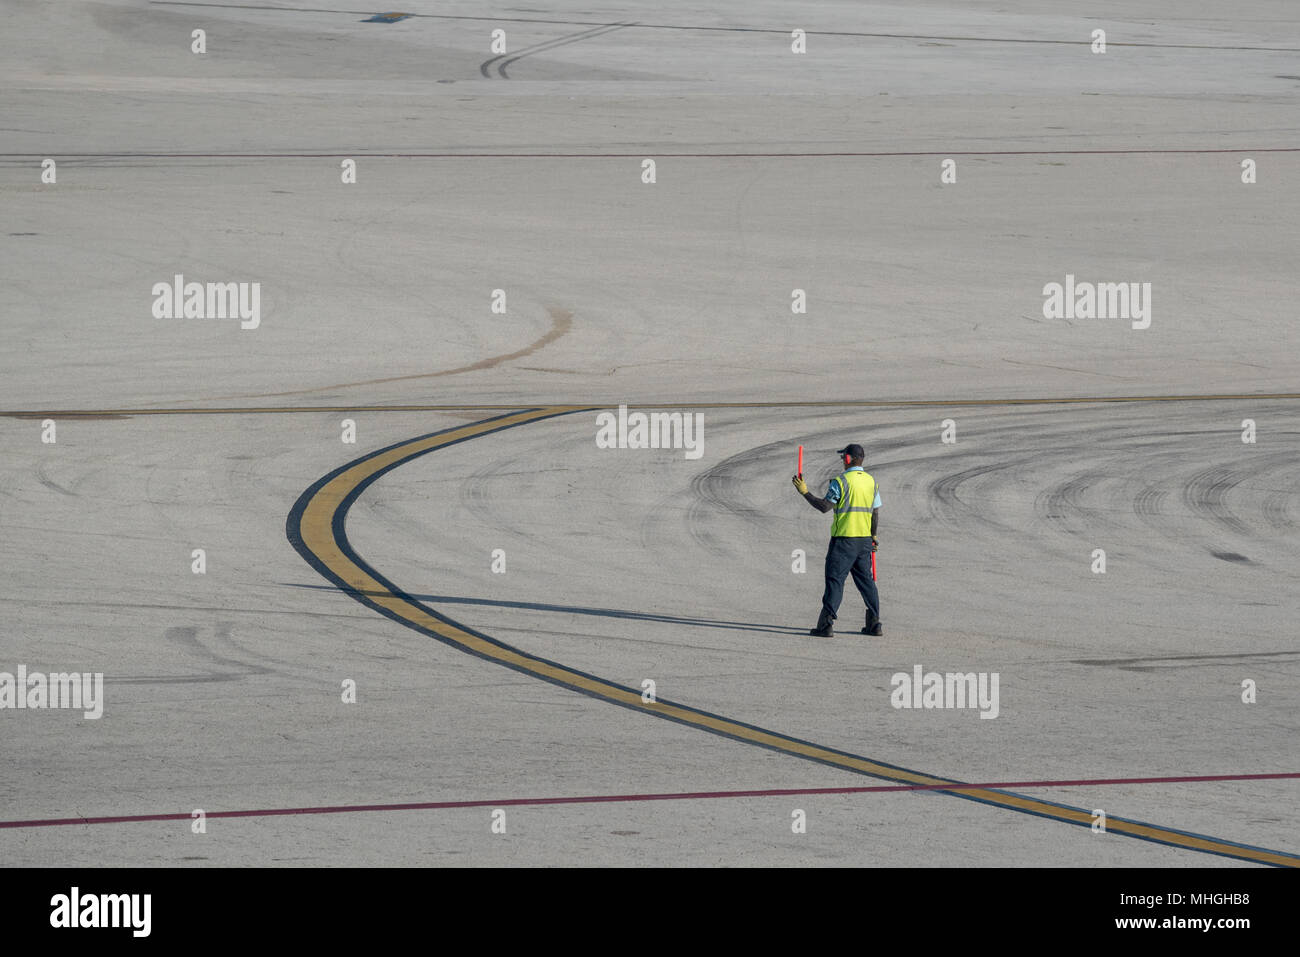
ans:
(853, 451)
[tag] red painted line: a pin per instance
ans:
(630, 798)
(652, 153)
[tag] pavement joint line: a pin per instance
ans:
(756, 154)
(783, 31)
(588, 406)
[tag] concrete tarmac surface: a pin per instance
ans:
(391, 465)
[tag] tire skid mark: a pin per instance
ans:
(503, 60)
(1207, 491)
(561, 323)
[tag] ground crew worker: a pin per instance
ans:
(854, 498)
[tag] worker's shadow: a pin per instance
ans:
(571, 610)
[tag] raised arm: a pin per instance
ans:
(818, 503)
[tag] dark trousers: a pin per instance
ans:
(849, 556)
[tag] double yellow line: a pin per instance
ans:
(316, 529)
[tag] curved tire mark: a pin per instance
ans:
(503, 60)
(561, 323)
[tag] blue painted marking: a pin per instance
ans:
(386, 18)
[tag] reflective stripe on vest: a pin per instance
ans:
(853, 510)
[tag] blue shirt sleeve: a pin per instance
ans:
(876, 503)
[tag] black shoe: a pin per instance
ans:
(875, 631)
(827, 632)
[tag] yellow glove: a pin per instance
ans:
(800, 484)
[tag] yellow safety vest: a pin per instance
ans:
(853, 509)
